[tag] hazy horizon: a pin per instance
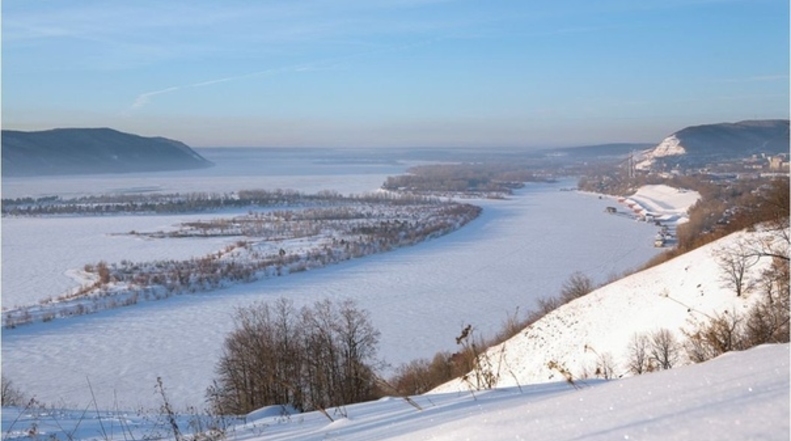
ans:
(504, 148)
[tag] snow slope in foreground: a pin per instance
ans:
(737, 396)
(595, 330)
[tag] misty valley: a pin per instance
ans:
(420, 266)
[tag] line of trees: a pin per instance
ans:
(193, 202)
(466, 178)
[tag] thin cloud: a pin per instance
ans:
(756, 79)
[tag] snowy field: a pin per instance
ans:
(517, 251)
(738, 396)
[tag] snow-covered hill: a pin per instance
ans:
(698, 144)
(670, 146)
(594, 332)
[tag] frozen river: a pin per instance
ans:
(519, 250)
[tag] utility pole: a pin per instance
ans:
(630, 164)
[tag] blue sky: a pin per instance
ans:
(394, 72)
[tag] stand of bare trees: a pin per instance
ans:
(313, 358)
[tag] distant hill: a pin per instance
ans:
(699, 145)
(90, 151)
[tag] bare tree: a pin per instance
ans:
(664, 349)
(321, 370)
(605, 366)
(639, 357)
(103, 271)
(735, 263)
(358, 340)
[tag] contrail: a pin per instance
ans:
(144, 98)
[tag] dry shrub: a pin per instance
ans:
(576, 286)
(420, 376)
(481, 370)
(472, 363)
(11, 395)
(723, 333)
(510, 327)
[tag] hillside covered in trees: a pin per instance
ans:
(91, 151)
